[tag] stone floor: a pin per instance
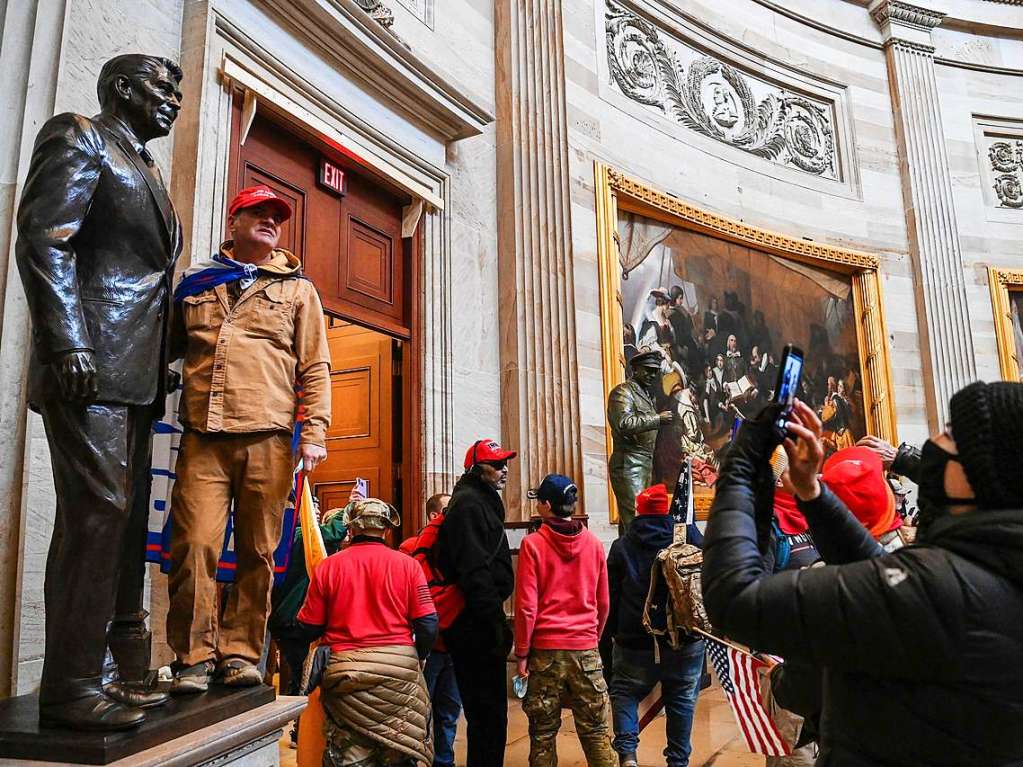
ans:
(716, 740)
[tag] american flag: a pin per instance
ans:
(737, 673)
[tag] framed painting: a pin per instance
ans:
(1007, 301)
(719, 300)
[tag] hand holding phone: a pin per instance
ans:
(790, 375)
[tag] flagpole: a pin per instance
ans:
(726, 643)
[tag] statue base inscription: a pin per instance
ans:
(21, 737)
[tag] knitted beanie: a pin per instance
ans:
(987, 426)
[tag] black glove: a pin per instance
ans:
(748, 464)
(173, 380)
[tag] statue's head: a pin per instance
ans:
(142, 91)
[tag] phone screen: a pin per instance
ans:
(789, 377)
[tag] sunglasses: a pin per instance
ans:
(499, 465)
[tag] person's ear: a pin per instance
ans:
(231, 221)
(122, 87)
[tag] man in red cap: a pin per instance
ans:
(248, 325)
(472, 551)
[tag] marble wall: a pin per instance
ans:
(832, 50)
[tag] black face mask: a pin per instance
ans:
(932, 499)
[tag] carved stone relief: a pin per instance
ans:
(1006, 158)
(377, 11)
(718, 100)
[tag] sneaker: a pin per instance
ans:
(235, 672)
(628, 760)
(189, 680)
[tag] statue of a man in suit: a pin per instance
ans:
(97, 242)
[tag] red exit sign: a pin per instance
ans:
(333, 177)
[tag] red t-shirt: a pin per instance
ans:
(367, 596)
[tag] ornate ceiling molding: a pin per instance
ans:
(717, 99)
(908, 14)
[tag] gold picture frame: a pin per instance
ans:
(1004, 282)
(616, 191)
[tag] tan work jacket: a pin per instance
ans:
(242, 359)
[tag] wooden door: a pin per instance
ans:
(365, 272)
(360, 440)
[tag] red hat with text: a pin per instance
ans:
(486, 451)
(856, 476)
(653, 502)
(252, 196)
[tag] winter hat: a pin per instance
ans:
(856, 476)
(987, 426)
(652, 502)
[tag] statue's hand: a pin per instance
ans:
(76, 371)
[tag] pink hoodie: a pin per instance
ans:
(561, 597)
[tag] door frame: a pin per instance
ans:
(411, 479)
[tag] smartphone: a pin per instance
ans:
(790, 374)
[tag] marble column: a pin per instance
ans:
(949, 362)
(539, 371)
(30, 48)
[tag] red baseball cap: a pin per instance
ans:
(653, 502)
(856, 475)
(486, 451)
(257, 195)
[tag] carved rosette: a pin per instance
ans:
(715, 99)
(1007, 160)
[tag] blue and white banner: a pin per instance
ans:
(166, 439)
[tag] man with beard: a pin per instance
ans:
(472, 552)
(97, 242)
(634, 420)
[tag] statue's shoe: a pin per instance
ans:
(96, 712)
(135, 695)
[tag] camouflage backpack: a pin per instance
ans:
(680, 566)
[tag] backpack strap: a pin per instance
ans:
(655, 570)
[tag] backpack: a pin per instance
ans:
(680, 566)
(447, 597)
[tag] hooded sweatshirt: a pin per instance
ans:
(243, 353)
(561, 597)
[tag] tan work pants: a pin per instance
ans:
(255, 472)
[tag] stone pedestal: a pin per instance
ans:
(219, 727)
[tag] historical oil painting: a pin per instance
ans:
(720, 314)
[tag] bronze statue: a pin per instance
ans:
(97, 242)
(632, 413)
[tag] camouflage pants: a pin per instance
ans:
(573, 678)
(346, 748)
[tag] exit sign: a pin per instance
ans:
(333, 177)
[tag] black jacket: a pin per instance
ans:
(629, 565)
(97, 242)
(920, 648)
(472, 551)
